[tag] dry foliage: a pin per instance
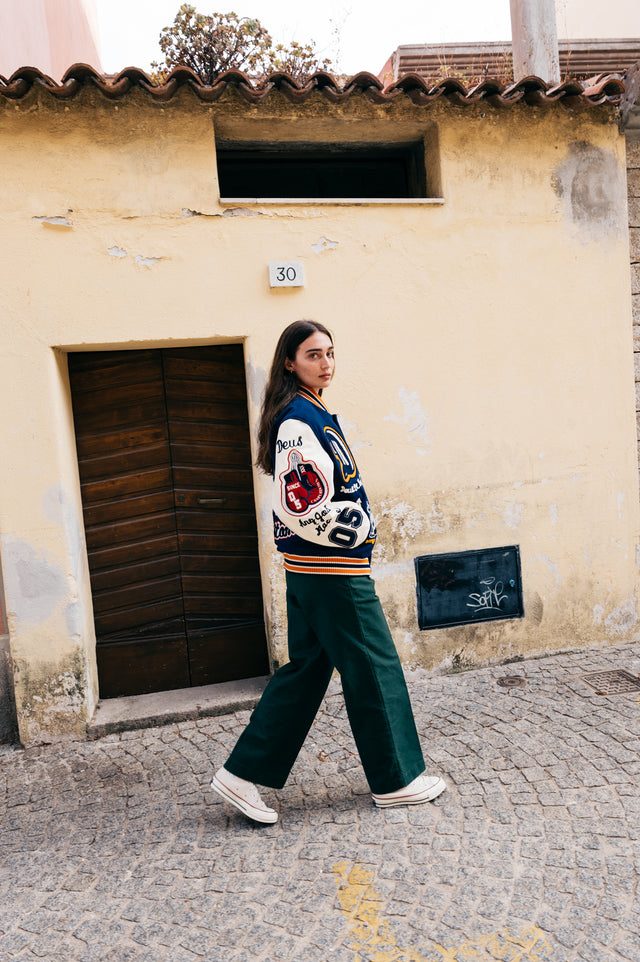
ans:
(497, 67)
(211, 44)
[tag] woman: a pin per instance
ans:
(324, 529)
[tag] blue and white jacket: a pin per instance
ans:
(322, 522)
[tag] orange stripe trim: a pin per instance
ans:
(326, 559)
(327, 571)
(314, 398)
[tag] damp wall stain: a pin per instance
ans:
(590, 183)
(52, 699)
(45, 614)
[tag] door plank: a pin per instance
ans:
(126, 573)
(121, 509)
(139, 668)
(133, 530)
(209, 435)
(136, 482)
(121, 555)
(124, 461)
(228, 654)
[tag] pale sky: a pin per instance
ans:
(350, 32)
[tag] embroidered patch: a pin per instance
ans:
(342, 454)
(303, 486)
(280, 531)
(284, 445)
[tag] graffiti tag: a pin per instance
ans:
(490, 598)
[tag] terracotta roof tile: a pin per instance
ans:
(531, 90)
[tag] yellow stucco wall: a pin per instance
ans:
(484, 351)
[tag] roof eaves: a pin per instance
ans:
(532, 90)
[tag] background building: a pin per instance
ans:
(49, 35)
(476, 278)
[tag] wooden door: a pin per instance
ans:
(165, 468)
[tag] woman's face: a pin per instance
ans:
(314, 362)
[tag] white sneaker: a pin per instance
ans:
(244, 795)
(424, 788)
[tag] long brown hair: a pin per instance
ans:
(282, 385)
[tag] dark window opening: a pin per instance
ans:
(341, 171)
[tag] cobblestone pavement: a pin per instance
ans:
(116, 849)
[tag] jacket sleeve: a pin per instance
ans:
(304, 496)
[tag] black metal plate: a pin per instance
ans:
(466, 587)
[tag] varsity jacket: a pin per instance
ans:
(322, 522)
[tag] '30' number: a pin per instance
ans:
(286, 274)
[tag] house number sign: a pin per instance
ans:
(286, 274)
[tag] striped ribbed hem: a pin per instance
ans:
(333, 565)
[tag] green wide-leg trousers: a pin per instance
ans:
(334, 621)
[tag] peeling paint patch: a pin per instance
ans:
(406, 522)
(324, 244)
(116, 252)
(146, 261)
(552, 566)
(553, 513)
(392, 569)
(415, 418)
(620, 504)
(241, 212)
(256, 381)
(187, 212)
(622, 619)
(34, 587)
(58, 507)
(352, 430)
(436, 521)
(512, 514)
(55, 504)
(61, 221)
(74, 620)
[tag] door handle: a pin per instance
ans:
(212, 500)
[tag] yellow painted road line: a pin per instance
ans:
(372, 938)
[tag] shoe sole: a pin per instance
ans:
(243, 806)
(429, 796)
